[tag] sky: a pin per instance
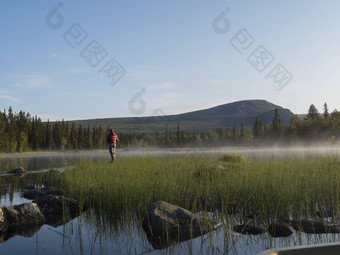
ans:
(104, 58)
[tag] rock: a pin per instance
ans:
(231, 207)
(3, 223)
(35, 193)
(24, 220)
(279, 230)
(22, 216)
(248, 229)
(58, 209)
(167, 224)
(324, 214)
(311, 226)
(30, 187)
(210, 204)
(19, 170)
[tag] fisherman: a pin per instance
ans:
(112, 139)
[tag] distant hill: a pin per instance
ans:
(226, 115)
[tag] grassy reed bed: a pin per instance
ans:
(268, 188)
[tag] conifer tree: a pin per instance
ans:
(48, 136)
(81, 137)
(325, 111)
(73, 136)
(11, 131)
(256, 128)
(313, 113)
(166, 135)
(178, 134)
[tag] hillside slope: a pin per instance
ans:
(227, 115)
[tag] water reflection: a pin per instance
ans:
(33, 162)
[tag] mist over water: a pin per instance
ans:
(46, 161)
(251, 152)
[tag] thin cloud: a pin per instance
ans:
(33, 81)
(10, 98)
(53, 55)
(161, 86)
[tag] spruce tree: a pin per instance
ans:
(178, 134)
(81, 137)
(166, 135)
(242, 132)
(73, 136)
(325, 111)
(313, 113)
(256, 127)
(276, 121)
(48, 136)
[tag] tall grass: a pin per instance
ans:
(270, 188)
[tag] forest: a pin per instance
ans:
(21, 132)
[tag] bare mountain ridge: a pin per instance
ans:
(226, 115)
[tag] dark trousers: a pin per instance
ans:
(112, 150)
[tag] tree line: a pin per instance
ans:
(21, 132)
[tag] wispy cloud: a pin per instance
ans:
(218, 82)
(33, 81)
(160, 86)
(53, 55)
(10, 98)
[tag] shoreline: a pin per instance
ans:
(42, 153)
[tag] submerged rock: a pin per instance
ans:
(311, 226)
(58, 209)
(279, 230)
(30, 187)
(18, 170)
(36, 193)
(324, 214)
(167, 224)
(231, 207)
(210, 204)
(248, 229)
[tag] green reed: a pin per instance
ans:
(269, 188)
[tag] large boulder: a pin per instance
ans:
(167, 224)
(20, 216)
(3, 223)
(58, 209)
(24, 220)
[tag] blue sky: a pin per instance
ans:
(174, 59)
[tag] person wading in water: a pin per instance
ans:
(112, 139)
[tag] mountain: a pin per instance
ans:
(226, 115)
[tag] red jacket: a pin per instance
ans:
(112, 138)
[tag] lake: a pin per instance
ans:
(88, 235)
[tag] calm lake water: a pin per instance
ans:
(86, 235)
